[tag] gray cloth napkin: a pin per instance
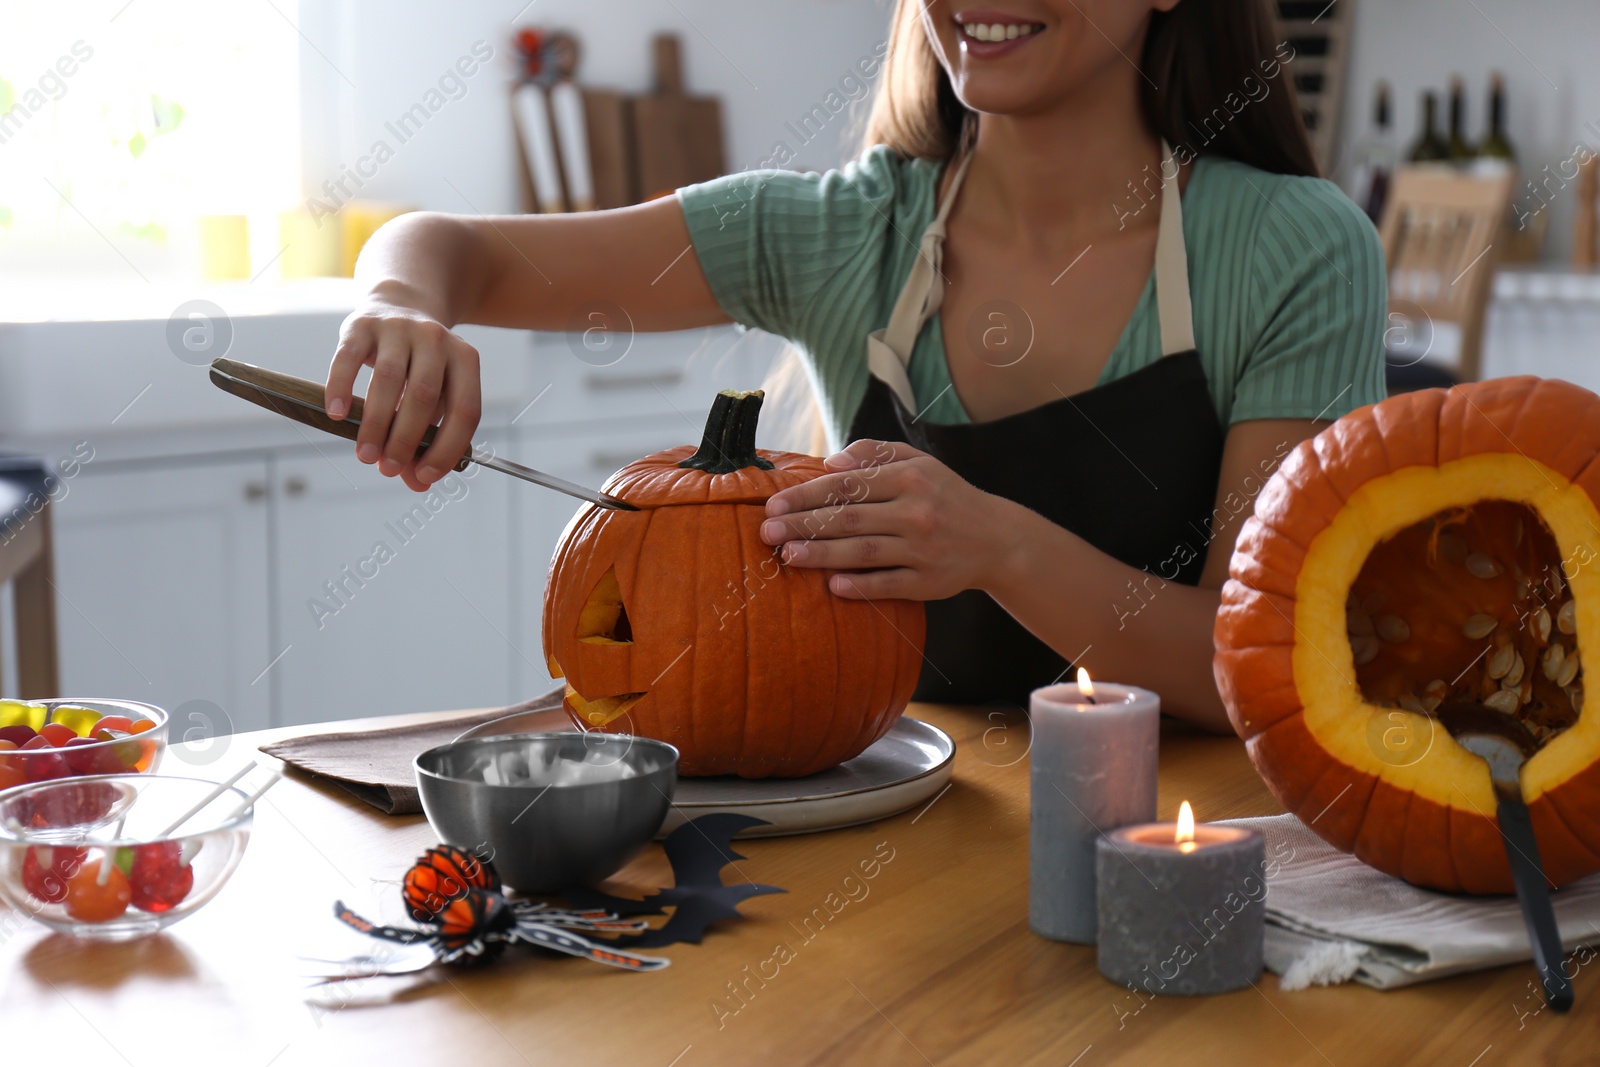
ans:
(1333, 919)
(375, 765)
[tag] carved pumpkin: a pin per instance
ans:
(677, 621)
(1433, 552)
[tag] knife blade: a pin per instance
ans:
(303, 401)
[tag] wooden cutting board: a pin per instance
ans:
(677, 137)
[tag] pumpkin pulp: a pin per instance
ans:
(1416, 599)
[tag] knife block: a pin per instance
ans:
(640, 145)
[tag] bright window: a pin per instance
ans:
(123, 122)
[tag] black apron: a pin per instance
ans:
(1130, 466)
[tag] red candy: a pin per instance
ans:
(58, 734)
(159, 878)
(47, 869)
(18, 735)
(119, 723)
(95, 761)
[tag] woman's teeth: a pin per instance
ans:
(997, 31)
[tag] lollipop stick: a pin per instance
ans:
(249, 801)
(104, 874)
(221, 788)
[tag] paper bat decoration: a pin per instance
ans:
(697, 850)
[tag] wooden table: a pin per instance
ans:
(928, 962)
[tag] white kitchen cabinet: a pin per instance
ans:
(388, 600)
(162, 574)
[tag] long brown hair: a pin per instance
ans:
(1200, 62)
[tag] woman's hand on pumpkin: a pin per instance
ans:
(422, 374)
(905, 525)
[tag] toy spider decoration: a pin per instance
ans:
(468, 920)
(465, 917)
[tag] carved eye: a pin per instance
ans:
(604, 618)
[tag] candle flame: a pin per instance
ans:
(1184, 835)
(1085, 686)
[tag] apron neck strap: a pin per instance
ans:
(923, 293)
(1172, 264)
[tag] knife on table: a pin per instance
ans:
(304, 402)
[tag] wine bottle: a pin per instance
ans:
(1458, 148)
(1495, 144)
(1429, 147)
(1376, 157)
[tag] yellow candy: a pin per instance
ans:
(21, 713)
(79, 720)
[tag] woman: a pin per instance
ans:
(1050, 441)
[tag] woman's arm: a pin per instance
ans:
(908, 526)
(426, 272)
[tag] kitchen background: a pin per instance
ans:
(226, 565)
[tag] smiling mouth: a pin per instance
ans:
(988, 32)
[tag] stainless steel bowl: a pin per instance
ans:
(552, 810)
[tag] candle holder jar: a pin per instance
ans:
(1092, 769)
(1181, 918)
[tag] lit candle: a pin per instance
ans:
(1092, 769)
(1182, 906)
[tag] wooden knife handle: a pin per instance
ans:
(247, 381)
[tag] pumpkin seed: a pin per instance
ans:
(1505, 701)
(1575, 695)
(1567, 617)
(1436, 689)
(1481, 566)
(1357, 622)
(1478, 627)
(1541, 624)
(1411, 703)
(1452, 548)
(1569, 671)
(1525, 690)
(1551, 661)
(1393, 629)
(1364, 649)
(1513, 677)
(1500, 661)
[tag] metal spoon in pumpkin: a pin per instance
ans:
(1504, 744)
(304, 401)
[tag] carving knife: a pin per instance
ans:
(303, 401)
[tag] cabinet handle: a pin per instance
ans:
(295, 486)
(254, 491)
(613, 383)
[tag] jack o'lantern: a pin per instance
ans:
(677, 622)
(1433, 552)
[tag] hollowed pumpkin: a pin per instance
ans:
(678, 622)
(1436, 550)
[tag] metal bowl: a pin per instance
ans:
(551, 810)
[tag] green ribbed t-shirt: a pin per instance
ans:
(1286, 277)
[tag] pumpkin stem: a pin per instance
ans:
(729, 443)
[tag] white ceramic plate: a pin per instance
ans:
(911, 763)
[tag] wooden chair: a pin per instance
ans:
(26, 561)
(1585, 234)
(1439, 233)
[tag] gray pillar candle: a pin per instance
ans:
(1181, 918)
(1092, 769)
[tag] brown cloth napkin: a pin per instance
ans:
(375, 765)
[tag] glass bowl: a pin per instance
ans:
(98, 856)
(134, 744)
